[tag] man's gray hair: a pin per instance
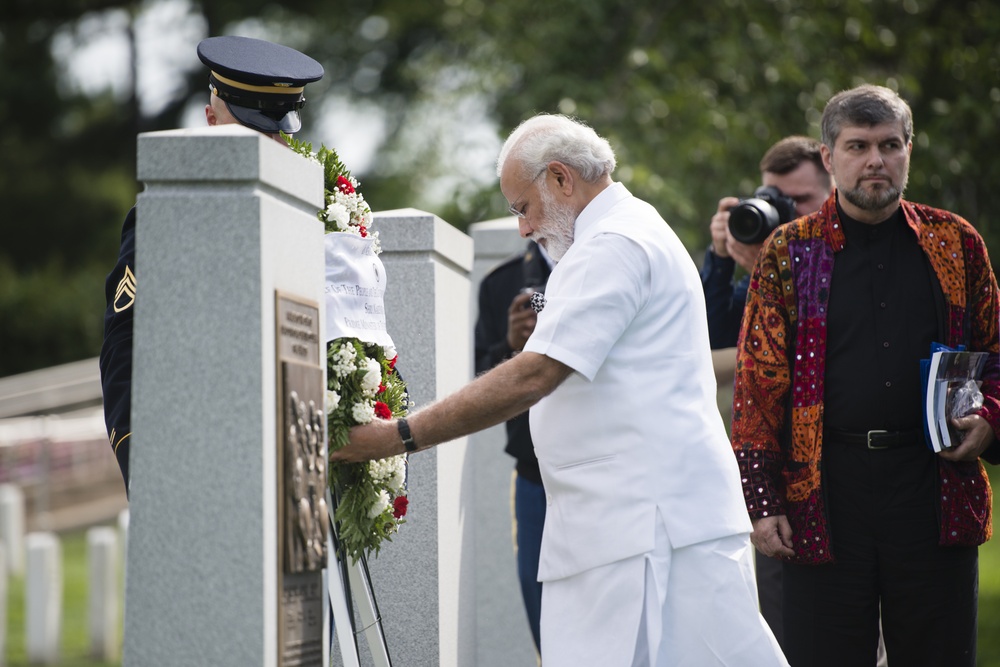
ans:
(865, 106)
(547, 137)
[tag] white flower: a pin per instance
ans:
(373, 377)
(332, 400)
(395, 483)
(379, 470)
(343, 360)
(338, 213)
(363, 412)
(381, 504)
(390, 472)
(389, 351)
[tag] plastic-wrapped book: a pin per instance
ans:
(951, 379)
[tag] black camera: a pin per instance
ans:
(753, 219)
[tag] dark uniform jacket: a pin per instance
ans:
(116, 352)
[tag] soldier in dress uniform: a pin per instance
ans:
(255, 83)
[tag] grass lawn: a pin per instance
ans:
(75, 649)
(989, 587)
(989, 602)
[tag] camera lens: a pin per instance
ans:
(752, 220)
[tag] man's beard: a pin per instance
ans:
(877, 199)
(560, 220)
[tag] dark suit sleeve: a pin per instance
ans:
(116, 352)
(496, 292)
(724, 301)
(491, 324)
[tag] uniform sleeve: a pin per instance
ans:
(723, 300)
(116, 351)
(495, 295)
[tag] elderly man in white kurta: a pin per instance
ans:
(645, 556)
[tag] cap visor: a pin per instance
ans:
(290, 123)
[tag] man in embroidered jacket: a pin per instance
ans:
(827, 410)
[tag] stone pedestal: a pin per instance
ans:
(423, 579)
(503, 637)
(226, 220)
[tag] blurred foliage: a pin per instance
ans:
(690, 95)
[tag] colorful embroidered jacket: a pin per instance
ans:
(778, 401)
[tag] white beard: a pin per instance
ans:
(560, 221)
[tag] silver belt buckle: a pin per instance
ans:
(870, 445)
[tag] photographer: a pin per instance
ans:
(794, 167)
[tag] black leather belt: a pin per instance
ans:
(876, 439)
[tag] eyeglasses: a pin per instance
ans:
(519, 213)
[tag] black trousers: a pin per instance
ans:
(882, 507)
(768, 574)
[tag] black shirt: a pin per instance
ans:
(881, 321)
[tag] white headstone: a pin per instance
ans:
(43, 597)
(123, 538)
(102, 561)
(12, 526)
(3, 605)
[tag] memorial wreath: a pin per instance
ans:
(362, 385)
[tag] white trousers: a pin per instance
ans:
(690, 607)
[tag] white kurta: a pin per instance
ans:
(636, 428)
(633, 452)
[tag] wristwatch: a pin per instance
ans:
(404, 433)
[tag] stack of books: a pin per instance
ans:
(951, 380)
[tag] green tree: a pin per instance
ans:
(690, 94)
(67, 170)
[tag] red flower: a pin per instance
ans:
(399, 507)
(345, 186)
(381, 389)
(363, 230)
(392, 362)
(382, 410)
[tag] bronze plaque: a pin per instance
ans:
(301, 620)
(303, 522)
(298, 330)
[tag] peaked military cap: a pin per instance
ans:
(262, 83)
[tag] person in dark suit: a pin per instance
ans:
(504, 323)
(254, 83)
